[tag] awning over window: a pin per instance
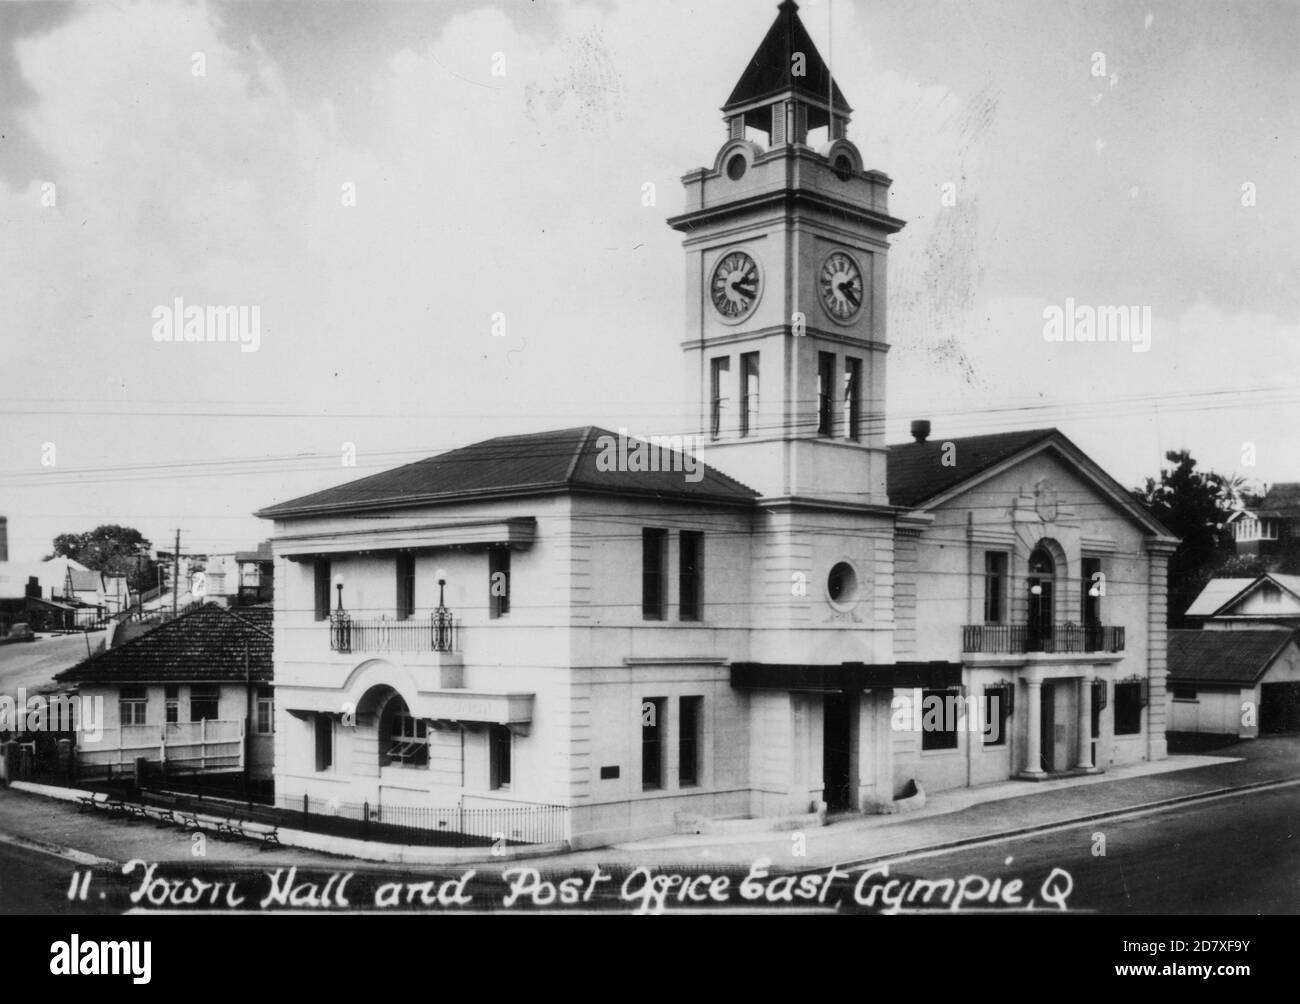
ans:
(517, 532)
(844, 678)
(442, 707)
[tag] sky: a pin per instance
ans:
(380, 180)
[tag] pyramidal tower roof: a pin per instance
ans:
(773, 68)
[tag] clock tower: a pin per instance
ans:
(786, 237)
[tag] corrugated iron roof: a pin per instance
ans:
(1216, 593)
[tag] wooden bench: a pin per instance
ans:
(267, 833)
(103, 800)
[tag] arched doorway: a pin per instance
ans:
(1042, 599)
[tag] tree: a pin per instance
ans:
(1195, 506)
(120, 550)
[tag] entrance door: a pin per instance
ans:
(1047, 740)
(835, 753)
(1041, 601)
(1279, 707)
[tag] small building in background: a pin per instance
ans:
(1268, 600)
(240, 579)
(1273, 525)
(1243, 683)
(192, 695)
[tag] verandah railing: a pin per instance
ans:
(436, 633)
(1047, 638)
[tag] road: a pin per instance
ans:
(1237, 854)
(32, 664)
(1234, 855)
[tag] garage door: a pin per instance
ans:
(1279, 707)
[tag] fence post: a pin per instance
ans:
(365, 819)
(305, 824)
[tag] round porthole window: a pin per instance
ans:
(842, 584)
(736, 167)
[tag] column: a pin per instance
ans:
(1085, 725)
(1034, 740)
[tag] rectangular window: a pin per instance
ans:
(407, 741)
(265, 711)
(852, 398)
(691, 576)
(749, 394)
(997, 705)
(654, 726)
(1184, 693)
(500, 745)
(172, 705)
(405, 586)
(1128, 708)
(825, 392)
(204, 698)
(1092, 587)
(939, 713)
(653, 546)
(688, 740)
(321, 571)
(132, 704)
(995, 586)
(719, 372)
(324, 742)
(498, 581)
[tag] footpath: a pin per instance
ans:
(948, 820)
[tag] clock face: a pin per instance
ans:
(840, 285)
(735, 285)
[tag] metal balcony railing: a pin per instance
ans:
(1002, 639)
(435, 633)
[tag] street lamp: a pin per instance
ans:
(338, 584)
(441, 574)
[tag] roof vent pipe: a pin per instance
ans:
(921, 429)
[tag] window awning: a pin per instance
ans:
(845, 677)
(516, 532)
(443, 707)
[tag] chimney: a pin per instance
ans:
(921, 429)
(33, 590)
(4, 539)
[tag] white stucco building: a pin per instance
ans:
(523, 621)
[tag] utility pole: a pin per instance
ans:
(176, 573)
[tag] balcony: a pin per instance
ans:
(1014, 639)
(435, 633)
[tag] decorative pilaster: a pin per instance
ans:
(1158, 550)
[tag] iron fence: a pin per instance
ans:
(445, 826)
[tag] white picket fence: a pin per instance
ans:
(216, 744)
